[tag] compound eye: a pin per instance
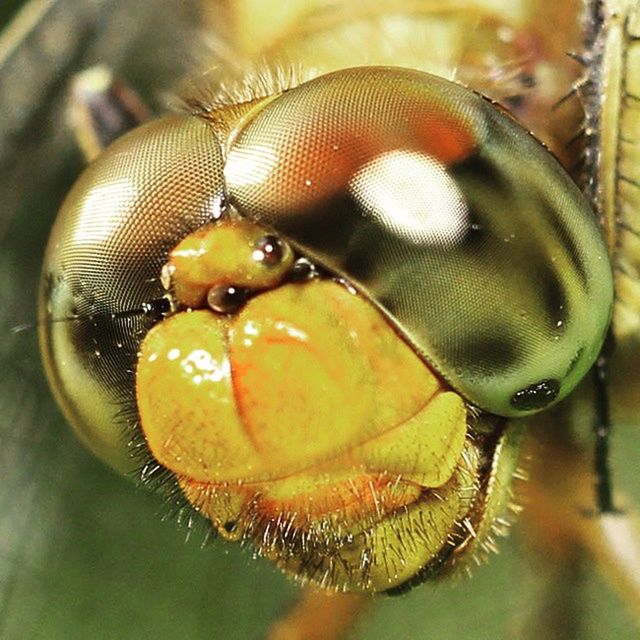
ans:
(112, 236)
(453, 219)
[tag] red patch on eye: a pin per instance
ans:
(446, 138)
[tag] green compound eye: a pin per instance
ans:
(447, 214)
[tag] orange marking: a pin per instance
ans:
(446, 138)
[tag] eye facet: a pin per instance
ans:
(103, 264)
(447, 214)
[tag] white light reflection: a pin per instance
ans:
(412, 195)
(104, 211)
(201, 366)
(250, 167)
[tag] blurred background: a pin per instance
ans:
(83, 553)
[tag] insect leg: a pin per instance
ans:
(319, 615)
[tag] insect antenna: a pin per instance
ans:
(157, 309)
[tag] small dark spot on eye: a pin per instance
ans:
(528, 80)
(536, 396)
(229, 526)
(225, 299)
(515, 101)
(269, 250)
(303, 270)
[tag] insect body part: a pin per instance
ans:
(233, 253)
(328, 418)
(282, 427)
(453, 219)
(103, 265)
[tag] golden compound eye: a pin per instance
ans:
(463, 228)
(103, 265)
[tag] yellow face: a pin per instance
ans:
(278, 419)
